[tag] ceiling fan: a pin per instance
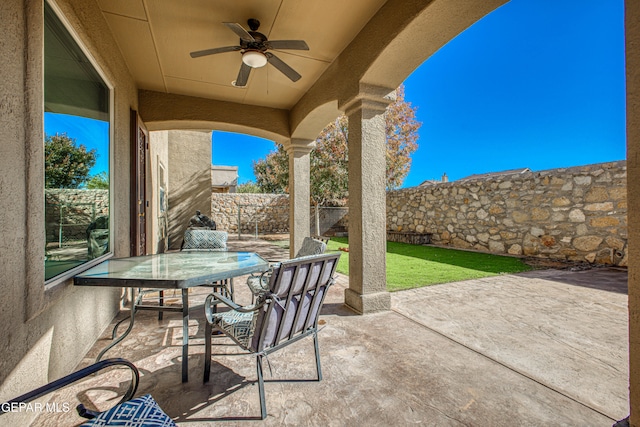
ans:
(254, 47)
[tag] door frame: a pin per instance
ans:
(139, 154)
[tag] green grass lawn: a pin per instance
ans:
(413, 266)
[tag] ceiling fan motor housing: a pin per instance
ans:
(258, 44)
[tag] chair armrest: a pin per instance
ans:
(76, 376)
(215, 298)
(272, 265)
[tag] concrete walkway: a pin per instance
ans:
(544, 348)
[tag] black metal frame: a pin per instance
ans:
(268, 303)
(76, 376)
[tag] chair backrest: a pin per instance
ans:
(201, 239)
(310, 247)
(297, 290)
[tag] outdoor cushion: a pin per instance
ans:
(311, 246)
(204, 240)
(235, 324)
(143, 411)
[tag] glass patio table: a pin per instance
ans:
(175, 270)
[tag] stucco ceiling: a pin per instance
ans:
(156, 37)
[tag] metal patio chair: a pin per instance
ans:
(141, 411)
(284, 313)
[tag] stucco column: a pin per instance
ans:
(632, 40)
(367, 291)
(299, 192)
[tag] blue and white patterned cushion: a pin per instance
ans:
(204, 240)
(142, 411)
(238, 325)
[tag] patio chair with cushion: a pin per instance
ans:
(310, 246)
(141, 411)
(284, 313)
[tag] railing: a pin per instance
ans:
(274, 219)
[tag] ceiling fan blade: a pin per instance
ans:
(287, 44)
(282, 67)
(213, 51)
(237, 28)
(243, 75)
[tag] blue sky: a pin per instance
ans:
(89, 132)
(537, 83)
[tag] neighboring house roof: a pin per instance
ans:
(444, 178)
(224, 176)
(495, 174)
(429, 182)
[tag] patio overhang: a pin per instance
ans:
(362, 41)
(142, 47)
(165, 111)
(359, 52)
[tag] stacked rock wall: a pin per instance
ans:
(72, 210)
(572, 214)
(269, 213)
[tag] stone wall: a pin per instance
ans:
(74, 210)
(269, 212)
(572, 214)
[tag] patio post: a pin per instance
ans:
(632, 42)
(367, 291)
(299, 181)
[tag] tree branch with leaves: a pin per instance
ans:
(66, 163)
(329, 160)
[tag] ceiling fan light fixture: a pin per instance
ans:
(254, 58)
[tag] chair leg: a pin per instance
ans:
(317, 349)
(263, 405)
(161, 304)
(232, 291)
(207, 352)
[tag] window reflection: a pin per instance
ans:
(76, 146)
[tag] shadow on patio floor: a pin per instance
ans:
(502, 351)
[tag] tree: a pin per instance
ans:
(329, 160)
(66, 164)
(248, 187)
(272, 173)
(402, 139)
(98, 182)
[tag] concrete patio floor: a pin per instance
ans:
(543, 348)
